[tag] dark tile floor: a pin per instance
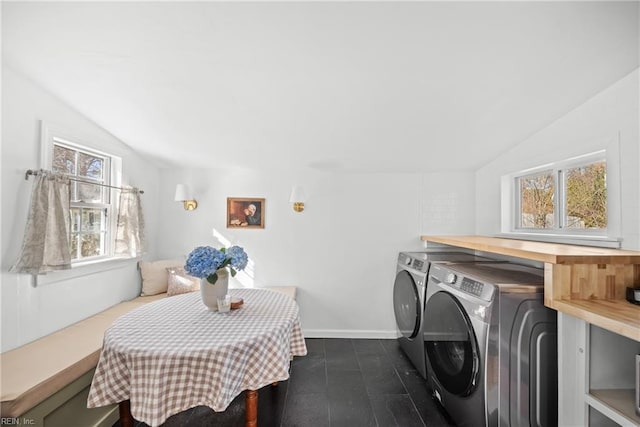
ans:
(340, 383)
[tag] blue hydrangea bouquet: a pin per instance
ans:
(205, 261)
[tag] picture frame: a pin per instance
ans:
(245, 212)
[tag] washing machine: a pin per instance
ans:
(409, 297)
(491, 345)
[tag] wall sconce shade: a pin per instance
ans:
(298, 197)
(183, 195)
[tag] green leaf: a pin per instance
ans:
(233, 272)
(212, 278)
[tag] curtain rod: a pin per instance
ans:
(36, 173)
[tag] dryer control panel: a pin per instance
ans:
(418, 264)
(415, 261)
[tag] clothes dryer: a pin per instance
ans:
(409, 297)
(491, 345)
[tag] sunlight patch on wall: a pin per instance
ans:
(244, 278)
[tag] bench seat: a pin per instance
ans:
(33, 372)
(287, 290)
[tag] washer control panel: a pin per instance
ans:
(455, 280)
(470, 286)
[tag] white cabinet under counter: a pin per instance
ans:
(596, 374)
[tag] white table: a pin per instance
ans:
(175, 354)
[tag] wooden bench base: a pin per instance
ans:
(69, 407)
(37, 374)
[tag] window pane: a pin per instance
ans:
(90, 230)
(89, 192)
(536, 200)
(91, 244)
(64, 160)
(90, 166)
(75, 220)
(586, 194)
(74, 245)
(74, 191)
(92, 220)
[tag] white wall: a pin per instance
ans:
(30, 312)
(448, 203)
(609, 120)
(340, 252)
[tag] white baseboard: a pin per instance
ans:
(346, 333)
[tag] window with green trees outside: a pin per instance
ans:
(569, 196)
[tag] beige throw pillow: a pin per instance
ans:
(154, 275)
(180, 282)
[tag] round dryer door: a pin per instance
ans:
(406, 305)
(451, 345)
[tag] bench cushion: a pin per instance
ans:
(287, 290)
(37, 370)
(155, 276)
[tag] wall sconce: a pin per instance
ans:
(183, 195)
(298, 197)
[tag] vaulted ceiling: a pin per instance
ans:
(355, 86)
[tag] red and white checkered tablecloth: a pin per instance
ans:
(174, 354)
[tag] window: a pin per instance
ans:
(92, 201)
(536, 196)
(566, 198)
(585, 197)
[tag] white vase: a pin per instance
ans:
(211, 292)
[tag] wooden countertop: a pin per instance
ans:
(583, 281)
(553, 253)
(617, 316)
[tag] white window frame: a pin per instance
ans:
(51, 134)
(606, 237)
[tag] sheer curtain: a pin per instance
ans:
(130, 238)
(46, 239)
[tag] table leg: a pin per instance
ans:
(251, 408)
(126, 419)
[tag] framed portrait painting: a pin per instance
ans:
(245, 212)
